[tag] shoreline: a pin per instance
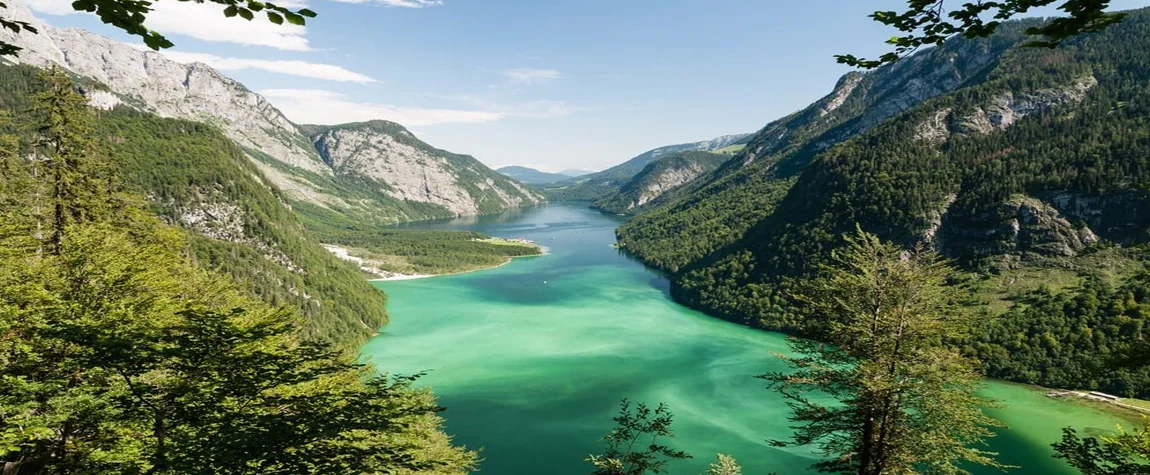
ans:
(397, 277)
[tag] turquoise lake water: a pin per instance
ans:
(532, 358)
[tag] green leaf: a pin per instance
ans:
(84, 5)
(307, 13)
(294, 19)
(230, 11)
(245, 13)
(275, 18)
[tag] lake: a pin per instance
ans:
(532, 358)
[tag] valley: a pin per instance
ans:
(538, 354)
(938, 266)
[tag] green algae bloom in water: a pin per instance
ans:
(532, 358)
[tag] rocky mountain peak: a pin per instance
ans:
(307, 163)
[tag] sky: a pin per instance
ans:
(550, 84)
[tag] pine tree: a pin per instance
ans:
(902, 402)
(119, 355)
(66, 147)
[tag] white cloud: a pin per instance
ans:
(305, 69)
(531, 75)
(315, 106)
(204, 21)
(400, 3)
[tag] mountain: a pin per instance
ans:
(532, 176)
(597, 185)
(248, 185)
(659, 178)
(1012, 161)
(574, 172)
(196, 178)
(714, 212)
(407, 178)
(285, 153)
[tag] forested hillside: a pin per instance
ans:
(124, 353)
(373, 172)
(710, 214)
(651, 185)
(1038, 159)
(594, 186)
(196, 178)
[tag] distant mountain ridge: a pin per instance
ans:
(249, 186)
(996, 155)
(598, 185)
(282, 150)
(532, 176)
(658, 179)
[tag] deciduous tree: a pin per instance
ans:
(633, 446)
(928, 23)
(131, 16)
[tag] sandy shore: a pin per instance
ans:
(385, 275)
(543, 252)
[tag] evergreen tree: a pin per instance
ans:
(901, 402)
(118, 355)
(67, 150)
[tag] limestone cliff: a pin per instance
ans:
(402, 186)
(658, 178)
(408, 169)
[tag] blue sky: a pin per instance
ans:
(552, 84)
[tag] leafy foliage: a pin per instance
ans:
(120, 355)
(927, 23)
(724, 465)
(1125, 454)
(16, 26)
(130, 16)
(632, 446)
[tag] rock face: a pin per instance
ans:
(1001, 111)
(284, 154)
(601, 185)
(659, 178)
(411, 170)
(1022, 225)
(860, 101)
(150, 82)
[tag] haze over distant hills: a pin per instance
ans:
(574, 172)
(594, 186)
(532, 176)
